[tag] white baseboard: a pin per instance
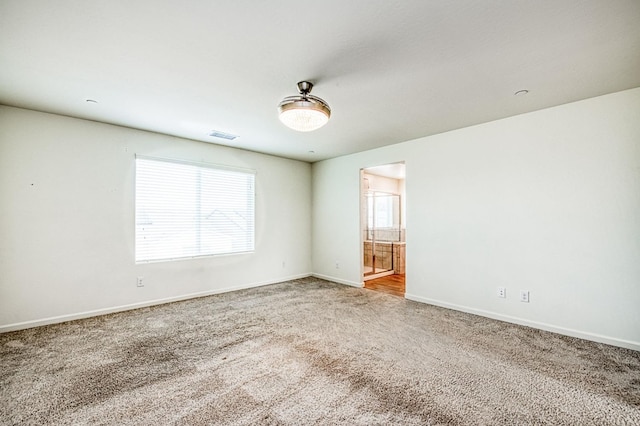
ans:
(379, 275)
(507, 318)
(534, 324)
(339, 280)
(105, 311)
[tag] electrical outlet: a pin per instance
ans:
(140, 282)
(502, 292)
(524, 296)
(337, 265)
(283, 264)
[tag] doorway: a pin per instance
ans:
(383, 231)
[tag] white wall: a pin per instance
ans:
(547, 202)
(67, 220)
(382, 184)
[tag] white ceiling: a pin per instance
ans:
(391, 70)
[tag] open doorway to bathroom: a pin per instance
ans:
(383, 228)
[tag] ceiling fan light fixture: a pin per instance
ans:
(304, 112)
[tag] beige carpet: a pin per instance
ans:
(310, 352)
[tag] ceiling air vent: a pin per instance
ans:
(223, 135)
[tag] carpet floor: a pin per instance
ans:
(310, 352)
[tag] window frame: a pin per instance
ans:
(139, 258)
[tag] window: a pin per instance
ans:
(381, 210)
(186, 210)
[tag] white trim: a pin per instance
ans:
(534, 324)
(105, 311)
(378, 275)
(339, 280)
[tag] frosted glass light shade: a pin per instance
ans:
(304, 115)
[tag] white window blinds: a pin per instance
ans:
(187, 210)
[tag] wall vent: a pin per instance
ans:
(223, 135)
